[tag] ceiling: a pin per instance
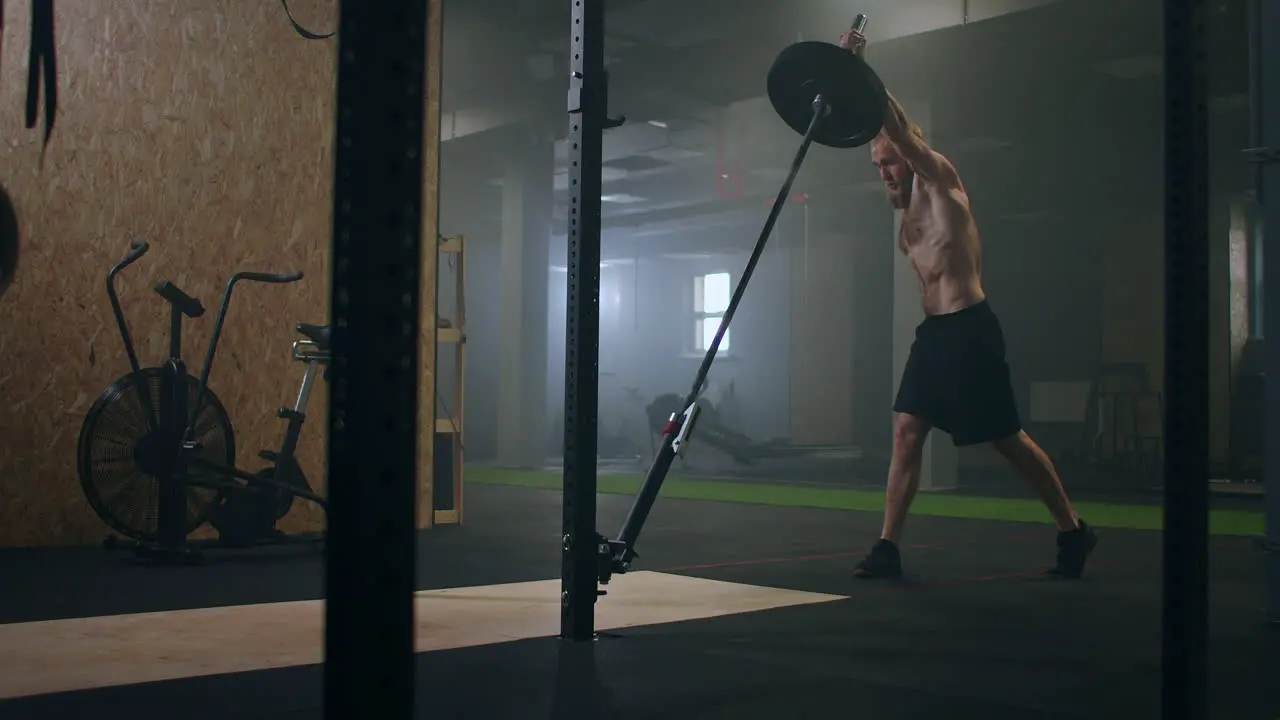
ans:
(1046, 107)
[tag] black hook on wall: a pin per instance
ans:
(298, 27)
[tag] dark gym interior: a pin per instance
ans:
(1060, 151)
(195, 141)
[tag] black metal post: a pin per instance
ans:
(373, 411)
(171, 505)
(587, 118)
(1268, 67)
(175, 331)
(1186, 430)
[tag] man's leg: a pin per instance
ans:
(984, 409)
(885, 559)
(909, 433)
(1037, 470)
(1076, 540)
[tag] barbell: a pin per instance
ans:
(852, 98)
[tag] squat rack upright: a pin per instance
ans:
(588, 118)
(1186, 358)
(375, 286)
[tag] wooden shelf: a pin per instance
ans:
(447, 487)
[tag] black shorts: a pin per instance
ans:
(957, 379)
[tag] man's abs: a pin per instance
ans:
(949, 294)
(944, 249)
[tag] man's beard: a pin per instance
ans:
(901, 197)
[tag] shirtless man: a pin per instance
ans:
(956, 378)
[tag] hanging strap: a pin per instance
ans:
(301, 30)
(42, 63)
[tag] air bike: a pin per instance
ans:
(157, 450)
(831, 97)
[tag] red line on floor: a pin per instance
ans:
(900, 586)
(961, 581)
(897, 587)
(826, 556)
(765, 561)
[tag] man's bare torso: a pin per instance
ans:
(940, 238)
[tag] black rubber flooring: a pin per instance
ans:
(973, 632)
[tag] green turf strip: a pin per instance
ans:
(1114, 515)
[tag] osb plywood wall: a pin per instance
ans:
(205, 126)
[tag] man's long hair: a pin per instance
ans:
(913, 128)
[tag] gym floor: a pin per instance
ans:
(972, 632)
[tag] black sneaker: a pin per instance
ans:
(1074, 548)
(884, 561)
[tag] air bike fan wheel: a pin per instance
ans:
(120, 453)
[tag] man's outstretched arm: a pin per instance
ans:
(910, 144)
(905, 136)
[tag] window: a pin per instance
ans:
(710, 301)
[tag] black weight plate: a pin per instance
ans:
(855, 96)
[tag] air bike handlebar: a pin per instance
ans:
(186, 305)
(137, 248)
(279, 279)
(269, 278)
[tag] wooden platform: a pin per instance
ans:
(95, 652)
